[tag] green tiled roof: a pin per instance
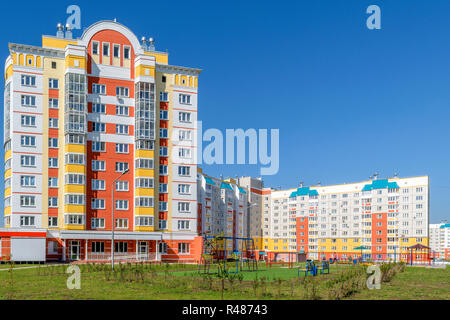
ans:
(304, 191)
(380, 184)
(224, 185)
(210, 181)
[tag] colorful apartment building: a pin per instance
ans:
(377, 218)
(440, 240)
(79, 114)
(382, 216)
(222, 210)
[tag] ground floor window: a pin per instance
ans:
(98, 247)
(162, 247)
(120, 247)
(183, 248)
(52, 247)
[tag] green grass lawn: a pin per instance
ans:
(183, 282)
(414, 283)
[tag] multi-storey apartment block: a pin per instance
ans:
(384, 216)
(222, 210)
(440, 240)
(79, 113)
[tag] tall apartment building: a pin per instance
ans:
(440, 240)
(383, 215)
(222, 210)
(78, 114)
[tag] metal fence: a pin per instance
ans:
(131, 257)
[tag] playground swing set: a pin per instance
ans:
(215, 251)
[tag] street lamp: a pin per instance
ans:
(112, 217)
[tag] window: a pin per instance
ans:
(184, 171)
(53, 162)
(184, 188)
(72, 138)
(144, 202)
(98, 203)
(77, 199)
(126, 52)
(116, 51)
(185, 135)
(121, 166)
(74, 158)
(27, 181)
(163, 188)
(28, 141)
(98, 88)
(53, 64)
(144, 145)
(52, 202)
(97, 223)
(120, 246)
(183, 206)
(163, 151)
(98, 127)
(98, 146)
(162, 225)
(183, 224)
(121, 204)
(163, 133)
(163, 170)
(184, 99)
(184, 153)
(98, 184)
(106, 49)
(95, 48)
(98, 165)
(144, 221)
(74, 178)
(97, 246)
(183, 248)
(28, 101)
(121, 148)
(144, 163)
(53, 83)
(121, 223)
(53, 123)
(144, 183)
(53, 222)
(163, 79)
(122, 111)
(29, 81)
(27, 201)
(162, 206)
(163, 115)
(122, 186)
(76, 219)
(98, 108)
(122, 91)
(28, 161)
(164, 96)
(28, 121)
(121, 129)
(26, 221)
(53, 103)
(53, 142)
(184, 117)
(162, 245)
(52, 182)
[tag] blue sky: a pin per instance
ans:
(348, 101)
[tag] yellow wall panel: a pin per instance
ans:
(75, 168)
(144, 173)
(75, 148)
(8, 72)
(72, 208)
(56, 42)
(8, 192)
(72, 188)
(144, 211)
(144, 192)
(145, 153)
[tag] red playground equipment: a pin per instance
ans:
(281, 258)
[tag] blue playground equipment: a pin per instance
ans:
(313, 270)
